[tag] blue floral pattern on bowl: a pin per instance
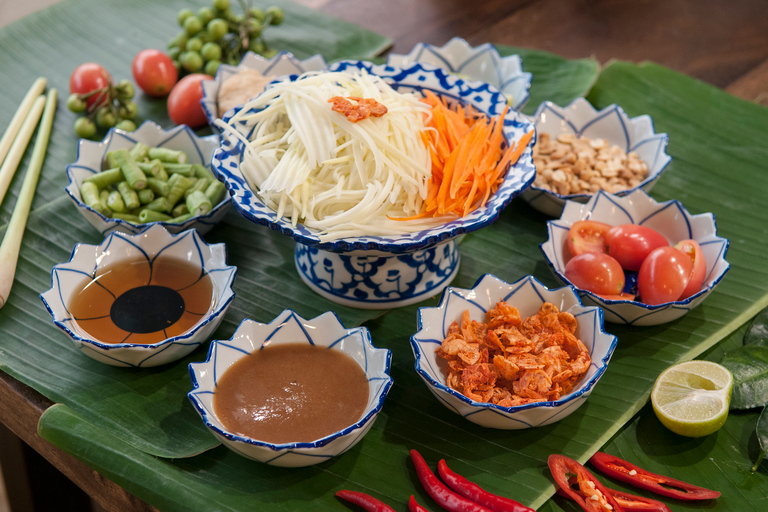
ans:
(481, 63)
(87, 263)
(325, 331)
(669, 218)
(612, 124)
(527, 295)
(91, 155)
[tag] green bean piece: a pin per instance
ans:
(159, 187)
(168, 155)
(202, 172)
(110, 161)
(115, 202)
(181, 218)
(139, 152)
(126, 216)
(146, 196)
(179, 209)
(150, 168)
(201, 184)
(130, 197)
(185, 169)
(152, 216)
(133, 175)
(103, 196)
(162, 174)
(198, 203)
(160, 204)
(215, 191)
(106, 178)
(89, 192)
(178, 185)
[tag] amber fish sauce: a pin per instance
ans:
(135, 302)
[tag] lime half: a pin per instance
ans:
(692, 398)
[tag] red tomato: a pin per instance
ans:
(699, 273)
(184, 101)
(631, 243)
(89, 77)
(154, 72)
(587, 236)
(596, 272)
(664, 275)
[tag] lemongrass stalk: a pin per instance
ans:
(9, 249)
(11, 163)
(18, 118)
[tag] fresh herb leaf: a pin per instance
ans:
(762, 437)
(749, 366)
(757, 334)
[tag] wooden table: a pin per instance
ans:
(723, 44)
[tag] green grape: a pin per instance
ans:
(182, 16)
(192, 25)
(236, 18)
(75, 103)
(178, 41)
(84, 128)
(174, 52)
(217, 28)
(128, 111)
(126, 125)
(191, 61)
(211, 67)
(205, 14)
(277, 15)
(194, 44)
(105, 118)
(211, 51)
(254, 27)
(221, 5)
(269, 53)
(258, 14)
(125, 89)
(257, 46)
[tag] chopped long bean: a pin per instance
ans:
(130, 197)
(198, 203)
(168, 155)
(133, 175)
(146, 196)
(105, 178)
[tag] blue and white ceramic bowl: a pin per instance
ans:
(385, 271)
(669, 218)
(325, 331)
(88, 262)
(91, 155)
(284, 63)
(611, 124)
(527, 295)
(481, 63)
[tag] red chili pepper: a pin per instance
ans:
(444, 497)
(562, 466)
(629, 502)
(474, 492)
(413, 506)
(366, 501)
(639, 477)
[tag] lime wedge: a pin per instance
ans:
(692, 398)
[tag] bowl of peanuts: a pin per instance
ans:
(580, 150)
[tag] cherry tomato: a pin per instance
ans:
(154, 72)
(89, 77)
(184, 101)
(699, 273)
(587, 236)
(631, 243)
(596, 272)
(664, 275)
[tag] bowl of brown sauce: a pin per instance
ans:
(292, 392)
(141, 300)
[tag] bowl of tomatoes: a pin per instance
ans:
(643, 262)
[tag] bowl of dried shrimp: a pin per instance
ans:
(511, 356)
(580, 150)
(356, 165)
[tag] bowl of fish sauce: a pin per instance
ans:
(141, 300)
(292, 392)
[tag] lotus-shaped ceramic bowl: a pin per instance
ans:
(90, 159)
(284, 63)
(324, 331)
(384, 271)
(611, 124)
(148, 250)
(669, 218)
(481, 63)
(527, 295)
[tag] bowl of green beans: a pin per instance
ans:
(131, 180)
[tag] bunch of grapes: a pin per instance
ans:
(106, 106)
(216, 35)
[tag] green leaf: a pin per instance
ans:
(757, 334)
(749, 366)
(762, 437)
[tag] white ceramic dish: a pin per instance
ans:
(612, 124)
(91, 155)
(669, 218)
(326, 331)
(527, 295)
(89, 261)
(481, 63)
